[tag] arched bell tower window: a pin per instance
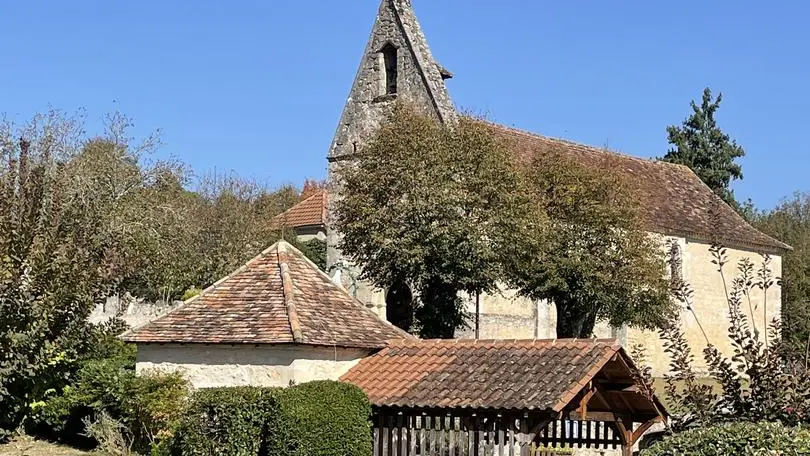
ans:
(389, 60)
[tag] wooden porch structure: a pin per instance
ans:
(504, 398)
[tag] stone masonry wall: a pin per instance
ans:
(507, 316)
(418, 82)
(211, 366)
(710, 305)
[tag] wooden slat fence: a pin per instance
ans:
(486, 435)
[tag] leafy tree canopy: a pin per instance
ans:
(593, 258)
(790, 223)
(83, 218)
(702, 146)
(435, 207)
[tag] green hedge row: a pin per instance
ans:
(322, 418)
(735, 439)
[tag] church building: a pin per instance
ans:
(678, 207)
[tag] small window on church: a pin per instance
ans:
(675, 264)
(389, 54)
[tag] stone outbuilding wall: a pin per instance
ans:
(212, 366)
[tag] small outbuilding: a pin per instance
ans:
(505, 397)
(278, 319)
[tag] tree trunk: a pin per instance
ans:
(573, 323)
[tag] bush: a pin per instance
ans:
(149, 405)
(312, 419)
(735, 439)
(226, 421)
(322, 418)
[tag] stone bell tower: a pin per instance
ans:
(397, 64)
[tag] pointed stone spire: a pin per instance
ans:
(397, 63)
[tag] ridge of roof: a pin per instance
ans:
(278, 297)
(455, 342)
(287, 289)
(192, 299)
(736, 232)
(406, 335)
(601, 150)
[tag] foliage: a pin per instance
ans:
(702, 146)
(433, 206)
(592, 258)
(322, 418)
(757, 384)
(735, 439)
(58, 257)
(108, 389)
(318, 418)
(227, 422)
(195, 238)
(83, 218)
(114, 439)
(314, 249)
(790, 223)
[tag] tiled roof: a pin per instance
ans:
(478, 374)
(675, 200)
(309, 212)
(278, 297)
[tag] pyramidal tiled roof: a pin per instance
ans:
(278, 297)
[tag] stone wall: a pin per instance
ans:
(134, 312)
(419, 82)
(710, 304)
(211, 366)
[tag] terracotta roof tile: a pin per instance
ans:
(309, 212)
(503, 374)
(675, 200)
(278, 297)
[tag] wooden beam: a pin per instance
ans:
(625, 428)
(583, 403)
(592, 416)
(643, 428)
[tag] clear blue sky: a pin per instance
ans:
(258, 86)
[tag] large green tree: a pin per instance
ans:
(702, 146)
(59, 253)
(83, 218)
(434, 207)
(592, 258)
(790, 223)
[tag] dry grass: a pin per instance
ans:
(26, 446)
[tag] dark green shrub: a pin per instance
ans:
(149, 405)
(313, 419)
(100, 385)
(226, 422)
(737, 439)
(322, 418)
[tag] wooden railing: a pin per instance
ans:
(398, 434)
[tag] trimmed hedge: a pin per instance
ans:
(226, 422)
(735, 439)
(322, 418)
(313, 419)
